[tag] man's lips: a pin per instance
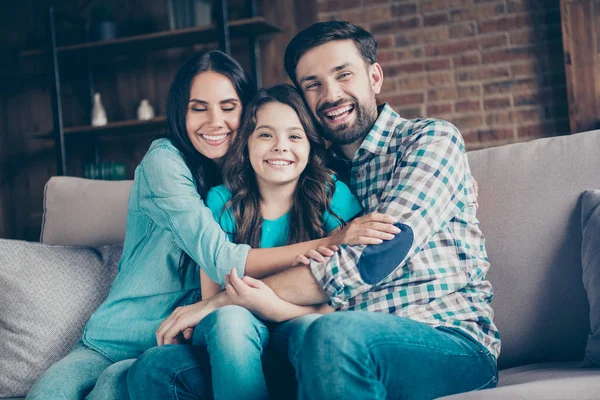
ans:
(338, 114)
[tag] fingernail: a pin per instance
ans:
(388, 236)
(379, 241)
(395, 229)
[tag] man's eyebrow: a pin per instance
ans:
(334, 69)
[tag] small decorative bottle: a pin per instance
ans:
(145, 111)
(98, 112)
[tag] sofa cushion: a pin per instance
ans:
(84, 212)
(590, 257)
(541, 382)
(48, 293)
(530, 214)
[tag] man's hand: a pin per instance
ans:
(254, 296)
(180, 324)
(372, 228)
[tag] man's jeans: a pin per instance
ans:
(367, 355)
(83, 374)
(235, 340)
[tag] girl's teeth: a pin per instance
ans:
(214, 138)
(279, 163)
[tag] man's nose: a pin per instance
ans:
(332, 92)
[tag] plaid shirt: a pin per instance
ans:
(416, 171)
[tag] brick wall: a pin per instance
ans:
(494, 68)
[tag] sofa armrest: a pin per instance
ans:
(84, 212)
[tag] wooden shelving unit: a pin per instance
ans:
(113, 129)
(242, 28)
(222, 31)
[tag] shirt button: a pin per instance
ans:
(357, 175)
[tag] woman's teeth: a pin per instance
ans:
(214, 138)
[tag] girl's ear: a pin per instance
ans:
(375, 77)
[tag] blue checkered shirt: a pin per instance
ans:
(416, 171)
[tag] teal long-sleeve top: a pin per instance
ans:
(165, 217)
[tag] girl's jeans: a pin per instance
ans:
(349, 355)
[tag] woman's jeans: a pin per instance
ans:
(83, 374)
(343, 355)
(225, 359)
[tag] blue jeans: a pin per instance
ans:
(367, 355)
(83, 374)
(197, 371)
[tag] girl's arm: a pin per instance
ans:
(371, 229)
(208, 287)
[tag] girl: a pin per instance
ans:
(277, 191)
(169, 232)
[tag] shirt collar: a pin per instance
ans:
(380, 135)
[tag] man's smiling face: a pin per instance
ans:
(340, 90)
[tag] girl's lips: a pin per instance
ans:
(279, 164)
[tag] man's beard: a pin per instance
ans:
(366, 115)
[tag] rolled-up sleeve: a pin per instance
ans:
(425, 191)
(168, 196)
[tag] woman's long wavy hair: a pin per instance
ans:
(313, 193)
(205, 172)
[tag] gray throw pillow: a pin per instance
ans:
(590, 258)
(47, 294)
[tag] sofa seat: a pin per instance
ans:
(546, 381)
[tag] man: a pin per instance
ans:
(427, 330)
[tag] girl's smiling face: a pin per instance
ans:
(278, 147)
(213, 114)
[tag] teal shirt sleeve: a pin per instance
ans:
(344, 204)
(167, 194)
(216, 199)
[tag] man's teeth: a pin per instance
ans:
(279, 163)
(214, 138)
(339, 111)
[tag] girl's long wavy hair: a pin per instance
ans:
(205, 172)
(313, 193)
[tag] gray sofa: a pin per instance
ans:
(530, 213)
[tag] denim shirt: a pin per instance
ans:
(165, 217)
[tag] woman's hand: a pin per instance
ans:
(372, 228)
(181, 323)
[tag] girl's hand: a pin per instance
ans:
(254, 295)
(319, 255)
(372, 228)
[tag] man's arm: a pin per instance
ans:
(297, 285)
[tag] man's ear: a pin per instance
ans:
(376, 77)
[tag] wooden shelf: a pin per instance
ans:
(162, 40)
(113, 129)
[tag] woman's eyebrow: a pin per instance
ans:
(231, 100)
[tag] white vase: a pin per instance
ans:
(145, 111)
(98, 112)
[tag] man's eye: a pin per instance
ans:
(344, 75)
(312, 85)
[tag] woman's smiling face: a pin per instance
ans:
(213, 114)
(278, 148)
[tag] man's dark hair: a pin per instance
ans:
(323, 32)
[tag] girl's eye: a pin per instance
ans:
(295, 137)
(264, 135)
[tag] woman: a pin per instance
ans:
(169, 232)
